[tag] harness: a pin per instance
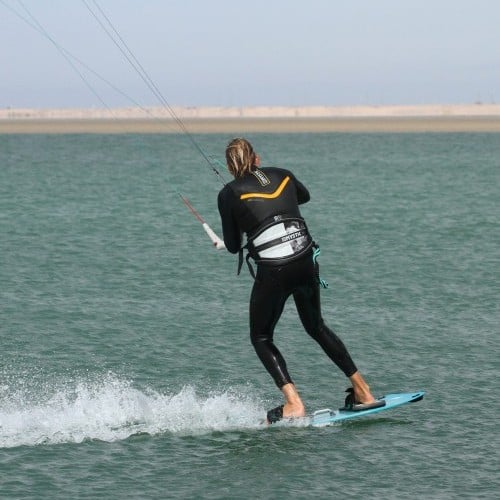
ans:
(281, 240)
(277, 244)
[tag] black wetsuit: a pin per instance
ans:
(251, 204)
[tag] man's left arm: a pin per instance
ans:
(230, 230)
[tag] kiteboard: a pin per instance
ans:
(327, 416)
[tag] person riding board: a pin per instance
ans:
(264, 204)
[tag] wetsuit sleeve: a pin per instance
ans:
(303, 195)
(230, 229)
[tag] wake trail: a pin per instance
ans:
(112, 409)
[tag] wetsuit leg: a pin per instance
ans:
(266, 305)
(307, 301)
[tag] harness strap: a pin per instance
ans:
(250, 267)
(240, 260)
(247, 258)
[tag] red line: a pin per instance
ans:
(191, 208)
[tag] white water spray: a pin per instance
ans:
(112, 409)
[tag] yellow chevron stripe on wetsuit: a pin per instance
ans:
(267, 195)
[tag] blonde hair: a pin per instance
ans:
(240, 157)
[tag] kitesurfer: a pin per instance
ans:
(264, 204)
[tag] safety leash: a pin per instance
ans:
(316, 254)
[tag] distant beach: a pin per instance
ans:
(269, 119)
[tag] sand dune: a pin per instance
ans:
(432, 118)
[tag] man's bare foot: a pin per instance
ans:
(294, 411)
(362, 393)
(363, 397)
(293, 408)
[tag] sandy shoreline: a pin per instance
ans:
(435, 118)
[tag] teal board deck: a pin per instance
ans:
(326, 417)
